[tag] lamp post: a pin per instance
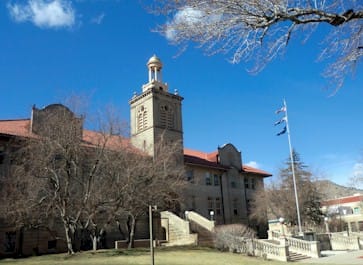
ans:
(211, 213)
(326, 219)
(186, 215)
(151, 209)
(282, 220)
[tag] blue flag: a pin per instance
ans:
(280, 121)
(282, 132)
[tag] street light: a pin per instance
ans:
(151, 209)
(211, 213)
(186, 215)
(282, 220)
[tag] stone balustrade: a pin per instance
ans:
(309, 248)
(274, 235)
(269, 250)
(344, 242)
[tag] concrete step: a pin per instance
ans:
(293, 256)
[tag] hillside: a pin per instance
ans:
(331, 190)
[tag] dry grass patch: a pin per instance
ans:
(175, 256)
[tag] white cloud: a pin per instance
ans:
(189, 18)
(44, 13)
(253, 164)
(98, 20)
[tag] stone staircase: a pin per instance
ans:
(205, 237)
(203, 227)
(294, 256)
(177, 230)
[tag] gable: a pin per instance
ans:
(230, 156)
(55, 116)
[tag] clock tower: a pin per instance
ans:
(155, 113)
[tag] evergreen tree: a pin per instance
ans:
(278, 198)
(308, 195)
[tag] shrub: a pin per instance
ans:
(234, 238)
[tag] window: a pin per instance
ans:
(2, 154)
(246, 183)
(356, 210)
(235, 207)
(215, 206)
(52, 244)
(208, 179)
(248, 204)
(216, 180)
(10, 241)
(353, 227)
(360, 225)
(190, 175)
(253, 183)
(166, 117)
(218, 206)
(142, 118)
(210, 205)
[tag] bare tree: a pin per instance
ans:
(278, 199)
(146, 180)
(260, 30)
(58, 170)
(356, 180)
(85, 179)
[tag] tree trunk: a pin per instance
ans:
(69, 239)
(131, 231)
(94, 242)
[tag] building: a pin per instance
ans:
(347, 212)
(219, 182)
(220, 185)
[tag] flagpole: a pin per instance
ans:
(293, 169)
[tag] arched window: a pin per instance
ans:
(166, 117)
(142, 119)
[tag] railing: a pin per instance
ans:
(341, 242)
(358, 234)
(177, 230)
(270, 251)
(309, 248)
(274, 235)
(200, 220)
(180, 223)
(256, 247)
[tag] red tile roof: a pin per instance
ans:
(342, 200)
(16, 127)
(22, 128)
(195, 160)
(253, 170)
(210, 159)
(113, 141)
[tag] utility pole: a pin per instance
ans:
(151, 209)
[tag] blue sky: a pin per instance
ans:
(99, 48)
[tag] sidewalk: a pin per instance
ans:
(338, 257)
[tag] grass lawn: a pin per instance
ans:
(171, 256)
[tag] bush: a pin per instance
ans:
(234, 238)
